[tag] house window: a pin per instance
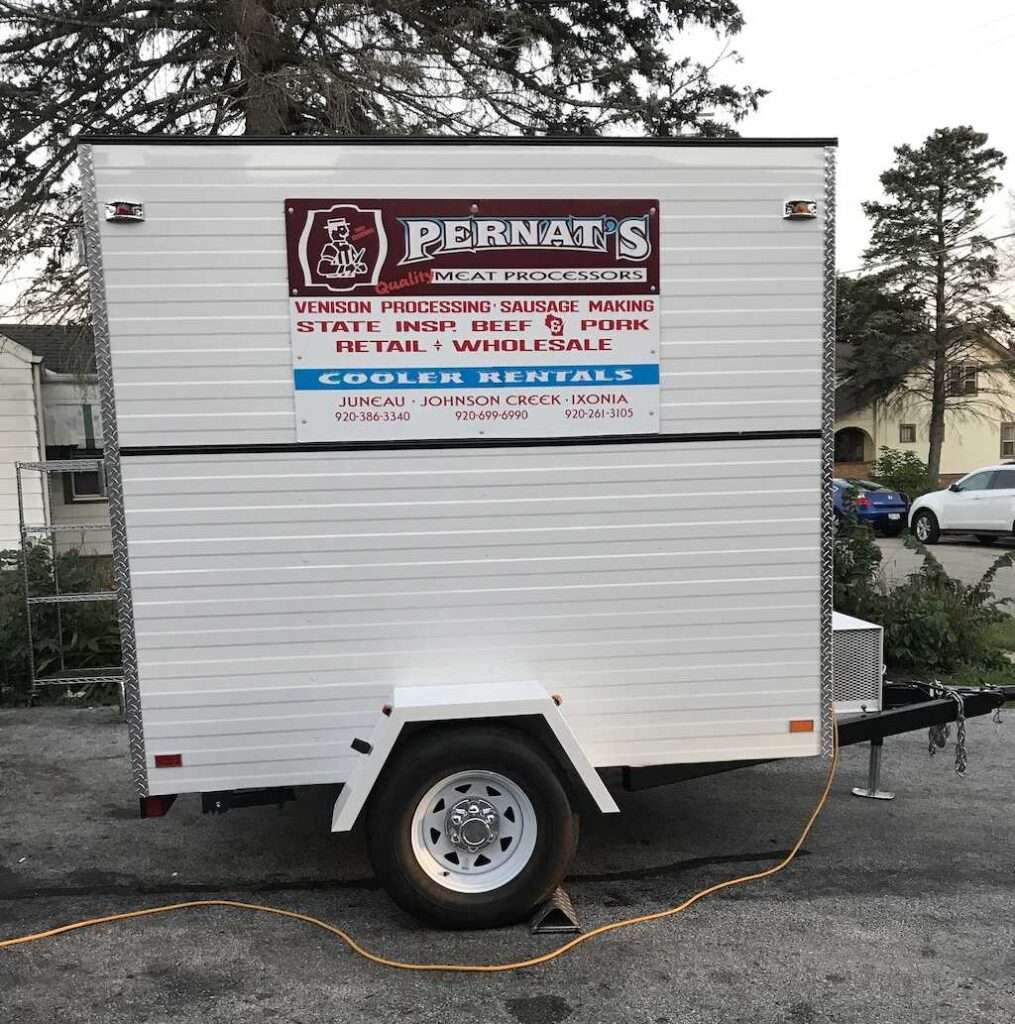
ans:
(85, 486)
(907, 433)
(1008, 440)
(962, 380)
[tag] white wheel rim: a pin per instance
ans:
(492, 846)
(922, 528)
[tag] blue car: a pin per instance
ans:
(875, 505)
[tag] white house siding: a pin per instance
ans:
(19, 439)
(669, 591)
(84, 524)
(65, 400)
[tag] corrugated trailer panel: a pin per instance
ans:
(671, 591)
(197, 294)
(668, 591)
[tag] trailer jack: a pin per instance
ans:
(872, 790)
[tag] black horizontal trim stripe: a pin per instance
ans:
(130, 451)
(441, 140)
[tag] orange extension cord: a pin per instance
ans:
(518, 965)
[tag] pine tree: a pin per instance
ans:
(926, 241)
(327, 67)
(880, 334)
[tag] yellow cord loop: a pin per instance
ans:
(518, 965)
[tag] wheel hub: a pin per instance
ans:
(472, 824)
(474, 831)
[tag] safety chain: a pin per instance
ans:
(996, 716)
(937, 735)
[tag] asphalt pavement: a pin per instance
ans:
(894, 912)
(962, 557)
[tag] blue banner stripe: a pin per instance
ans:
(441, 378)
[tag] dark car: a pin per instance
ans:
(878, 506)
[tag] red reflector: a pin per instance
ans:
(169, 760)
(156, 806)
(801, 725)
(386, 710)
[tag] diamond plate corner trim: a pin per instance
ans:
(114, 481)
(827, 455)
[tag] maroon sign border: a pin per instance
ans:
(394, 279)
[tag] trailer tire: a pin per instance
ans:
(516, 843)
(925, 527)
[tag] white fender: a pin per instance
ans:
(450, 703)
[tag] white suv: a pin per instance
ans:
(981, 503)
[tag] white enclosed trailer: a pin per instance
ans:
(525, 442)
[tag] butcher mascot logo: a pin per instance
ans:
(342, 248)
(341, 258)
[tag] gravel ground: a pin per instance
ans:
(894, 912)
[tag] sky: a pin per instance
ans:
(874, 73)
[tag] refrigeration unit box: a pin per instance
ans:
(858, 665)
(457, 471)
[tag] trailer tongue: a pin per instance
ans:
(904, 707)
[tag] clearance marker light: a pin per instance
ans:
(119, 212)
(801, 725)
(799, 209)
(169, 760)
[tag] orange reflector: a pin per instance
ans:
(169, 760)
(801, 725)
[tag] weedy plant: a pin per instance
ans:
(66, 637)
(934, 625)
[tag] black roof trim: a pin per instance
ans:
(442, 140)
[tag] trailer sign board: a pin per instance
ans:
(447, 319)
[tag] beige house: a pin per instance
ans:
(49, 409)
(978, 431)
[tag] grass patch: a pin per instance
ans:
(980, 677)
(1001, 634)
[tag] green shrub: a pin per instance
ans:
(66, 637)
(855, 566)
(934, 625)
(902, 471)
(1002, 633)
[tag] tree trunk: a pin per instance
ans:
(939, 391)
(259, 52)
(937, 415)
